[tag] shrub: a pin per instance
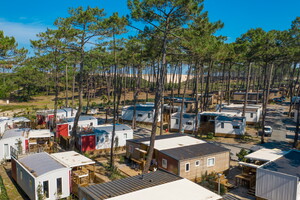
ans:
(241, 155)
(210, 136)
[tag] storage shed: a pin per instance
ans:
(279, 179)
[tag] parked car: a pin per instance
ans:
(268, 131)
(278, 100)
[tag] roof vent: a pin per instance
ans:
(150, 180)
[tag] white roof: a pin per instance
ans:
(40, 133)
(176, 190)
(175, 142)
(72, 159)
(266, 154)
(20, 119)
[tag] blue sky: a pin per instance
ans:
(24, 19)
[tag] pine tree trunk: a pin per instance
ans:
(247, 89)
(67, 98)
(265, 101)
(182, 102)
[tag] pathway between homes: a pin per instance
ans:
(11, 189)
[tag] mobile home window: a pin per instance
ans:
(187, 167)
(59, 186)
(177, 121)
(222, 124)
(210, 162)
(46, 188)
(130, 148)
(197, 163)
(125, 135)
(236, 127)
(140, 115)
(70, 127)
(189, 123)
(251, 115)
(149, 115)
(164, 163)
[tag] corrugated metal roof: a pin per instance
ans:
(128, 185)
(175, 190)
(40, 163)
(287, 164)
(193, 151)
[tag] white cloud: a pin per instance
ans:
(22, 32)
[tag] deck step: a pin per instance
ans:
(230, 197)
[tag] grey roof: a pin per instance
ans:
(81, 118)
(287, 164)
(20, 119)
(142, 108)
(159, 137)
(40, 163)
(69, 109)
(119, 127)
(13, 133)
(230, 118)
(193, 151)
(184, 115)
(127, 185)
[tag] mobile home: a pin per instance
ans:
(40, 174)
(100, 137)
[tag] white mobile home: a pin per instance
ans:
(253, 111)
(11, 138)
(10, 123)
(22, 139)
(279, 179)
(188, 122)
(41, 172)
(230, 126)
(100, 137)
(144, 113)
(46, 116)
(64, 127)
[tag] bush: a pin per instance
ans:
(210, 136)
(3, 193)
(241, 155)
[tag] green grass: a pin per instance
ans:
(3, 193)
(4, 108)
